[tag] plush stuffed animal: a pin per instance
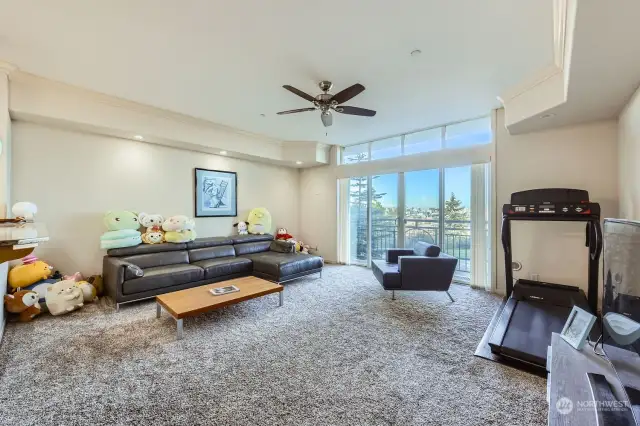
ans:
(242, 228)
(96, 282)
(259, 221)
(122, 230)
(24, 210)
(283, 234)
(153, 233)
(302, 247)
(63, 297)
(179, 229)
(89, 292)
(75, 277)
(23, 302)
(26, 274)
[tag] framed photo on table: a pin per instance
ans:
(577, 328)
(216, 193)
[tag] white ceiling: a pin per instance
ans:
(225, 61)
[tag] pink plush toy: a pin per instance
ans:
(75, 277)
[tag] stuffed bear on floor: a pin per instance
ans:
(23, 302)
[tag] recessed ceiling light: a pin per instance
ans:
(138, 137)
(544, 116)
(416, 52)
(298, 162)
(223, 152)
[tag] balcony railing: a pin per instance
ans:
(384, 230)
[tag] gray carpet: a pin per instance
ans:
(339, 351)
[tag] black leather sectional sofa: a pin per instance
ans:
(144, 271)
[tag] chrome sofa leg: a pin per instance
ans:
(320, 273)
(449, 296)
(393, 295)
(117, 307)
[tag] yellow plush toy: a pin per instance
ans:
(26, 274)
(259, 221)
(179, 229)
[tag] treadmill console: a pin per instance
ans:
(558, 202)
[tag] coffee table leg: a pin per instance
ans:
(281, 298)
(179, 326)
(158, 310)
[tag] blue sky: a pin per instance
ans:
(421, 187)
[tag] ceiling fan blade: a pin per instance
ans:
(299, 93)
(327, 118)
(355, 111)
(348, 93)
(293, 111)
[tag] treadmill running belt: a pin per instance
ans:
(529, 332)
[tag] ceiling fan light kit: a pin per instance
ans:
(326, 102)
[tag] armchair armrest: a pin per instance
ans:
(394, 253)
(115, 271)
(427, 273)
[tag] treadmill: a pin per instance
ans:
(533, 309)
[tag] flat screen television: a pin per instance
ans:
(621, 296)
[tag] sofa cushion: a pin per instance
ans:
(158, 259)
(255, 247)
(387, 274)
(145, 249)
(163, 276)
(280, 246)
(282, 265)
(425, 249)
(196, 255)
(214, 268)
(209, 242)
(248, 238)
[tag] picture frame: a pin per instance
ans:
(215, 193)
(577, 328)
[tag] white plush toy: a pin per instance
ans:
(24, 209)
(179, 229)
(153, 224)
(63, 297)
(242, 228)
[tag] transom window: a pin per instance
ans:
(451, 136)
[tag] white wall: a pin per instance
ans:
(629, 158)
(75, 177)
(583, 157)
(319, 210)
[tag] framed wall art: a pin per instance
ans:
(216, 193)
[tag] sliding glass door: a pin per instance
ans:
(437, 206)
(422, 207)
(456, 239)
(359, 219)
(384, 214)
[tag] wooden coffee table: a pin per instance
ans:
(198, 300)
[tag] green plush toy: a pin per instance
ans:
(122, 230)
(259, 221)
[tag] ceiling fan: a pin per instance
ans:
(327, 102)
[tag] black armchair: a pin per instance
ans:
(423, 268)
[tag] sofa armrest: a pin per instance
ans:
(427, 273)
(115, 271)
(393, 253)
